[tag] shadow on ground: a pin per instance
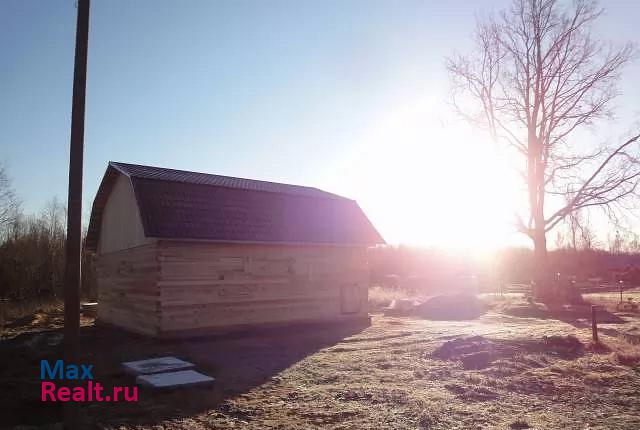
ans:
(239, 363)
(478, 352)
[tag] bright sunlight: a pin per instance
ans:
(426, 178)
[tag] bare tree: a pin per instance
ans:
(633, 243)
(615, 242)
(535, 78)
(580, 233)
(8, 200)
(560, 241)
(589, 240)
(575, 229)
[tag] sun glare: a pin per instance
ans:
(429, 180)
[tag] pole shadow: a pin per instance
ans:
(238, 362)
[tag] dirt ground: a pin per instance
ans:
(495, 372)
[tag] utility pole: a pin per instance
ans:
(73, 250)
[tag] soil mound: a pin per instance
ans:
(452, 307)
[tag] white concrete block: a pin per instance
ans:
(156, 365)
(174, 379)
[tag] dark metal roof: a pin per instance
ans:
(160, 173)
(176, 204)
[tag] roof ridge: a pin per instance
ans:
(125, 168)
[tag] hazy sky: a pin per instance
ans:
(348, 96)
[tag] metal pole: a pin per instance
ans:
(73, 247)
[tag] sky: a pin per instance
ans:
(347, 96)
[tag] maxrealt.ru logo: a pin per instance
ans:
(85, 389)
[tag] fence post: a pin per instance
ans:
(620, 283)
(594, 324)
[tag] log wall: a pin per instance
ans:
(209, 286)
(173, 288)
(128, 293)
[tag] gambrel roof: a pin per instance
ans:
(178, 204)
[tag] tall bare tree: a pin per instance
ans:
(580, 232)
(8, 201)
(536, 77)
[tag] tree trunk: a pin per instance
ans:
(543, 290)
(543, 287)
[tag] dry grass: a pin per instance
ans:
(17, 312)
(380, 297)
(35, 317)
(496, 372)
(610, 300)
(623, 352)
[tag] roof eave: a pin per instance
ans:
(268, 242)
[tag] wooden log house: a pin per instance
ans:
(182, 253)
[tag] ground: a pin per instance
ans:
(498, 371)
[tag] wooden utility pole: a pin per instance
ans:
(73, 249)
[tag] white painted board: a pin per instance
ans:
(156, 365)
(174, 379)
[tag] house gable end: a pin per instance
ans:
(115, 218)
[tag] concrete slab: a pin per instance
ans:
(156, 365)
(174, 379)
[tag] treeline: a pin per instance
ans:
(32, 256)
(390, 264)
(516, 265)
(32, 250)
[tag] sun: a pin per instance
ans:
(426, 181)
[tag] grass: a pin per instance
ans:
(610, 300)
(495, 372)
(380, 297)
(17, 312)
(624, 352)
(34, 317)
